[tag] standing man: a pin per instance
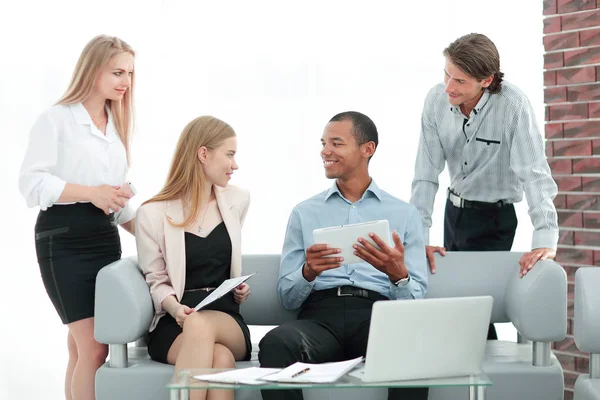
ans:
(485, 130)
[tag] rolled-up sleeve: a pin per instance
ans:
(415, 260)
(292, 288)
(126, 214)
(37, 183)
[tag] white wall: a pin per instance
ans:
(275, 72)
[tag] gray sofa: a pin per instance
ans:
(536, 305)
(587, 330)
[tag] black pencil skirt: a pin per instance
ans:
(162, 337)
(73, 242)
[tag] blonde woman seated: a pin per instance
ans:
(188, 243)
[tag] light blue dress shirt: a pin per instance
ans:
(330, 208)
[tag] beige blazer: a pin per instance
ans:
(161, 246)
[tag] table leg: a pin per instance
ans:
(476, 392)
(184, 380)
(174, 394)
(185, 394)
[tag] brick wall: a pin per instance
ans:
(572, 97)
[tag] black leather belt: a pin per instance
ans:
(204, 289)
(353, 291)
(459, 202)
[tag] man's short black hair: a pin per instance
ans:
(364, 128)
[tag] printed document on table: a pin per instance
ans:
(245, 376)
(316, 373)
(222, 290)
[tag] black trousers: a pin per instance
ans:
(471, 229)
(328, 329)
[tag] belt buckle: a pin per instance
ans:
(457, 201)
(340, 294)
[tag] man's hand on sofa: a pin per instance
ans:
(430, 251)
(529, 259)
(317, 262)
(182, 313)
(241, 293)
(389, 260)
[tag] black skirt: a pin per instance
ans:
(166, 331)
(73, 242)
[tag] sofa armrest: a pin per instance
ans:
(123, 307)
(537, 303)
(587, 304)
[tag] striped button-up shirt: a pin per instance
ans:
(494, 154)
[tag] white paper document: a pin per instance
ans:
(245, 376)
(222, 290)
(313, 373)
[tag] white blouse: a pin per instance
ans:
(66, 147)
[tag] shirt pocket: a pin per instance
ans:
(488, 142)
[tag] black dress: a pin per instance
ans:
(208, 264)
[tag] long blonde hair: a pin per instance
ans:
(186, 178)
(94, 56)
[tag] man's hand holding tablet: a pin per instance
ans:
(318, 259)
(387, 259)
(347, 244)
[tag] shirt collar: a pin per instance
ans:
(82, 117)
(480, 104)
(482, 101)
(373, 188)
(110, 127)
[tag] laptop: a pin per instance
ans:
(426, 339)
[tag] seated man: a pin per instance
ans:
(335, 299)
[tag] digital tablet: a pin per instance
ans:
(344, 236)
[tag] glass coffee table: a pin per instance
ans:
(183, 381)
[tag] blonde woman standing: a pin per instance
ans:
(75, 164)
(188, 240)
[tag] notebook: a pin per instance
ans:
(313, 373)
(244, 376)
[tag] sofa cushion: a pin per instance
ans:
(587, 318)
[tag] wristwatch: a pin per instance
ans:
(402, 282)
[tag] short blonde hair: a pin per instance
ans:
(96, 54)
